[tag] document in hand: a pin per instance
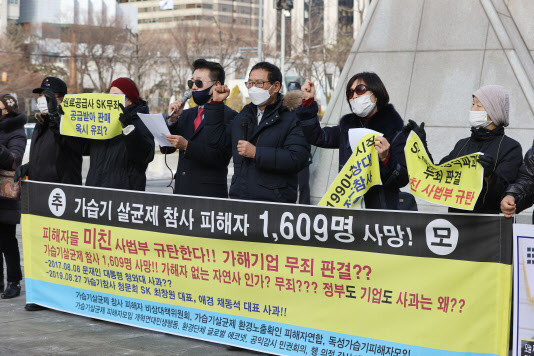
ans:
(155, 123)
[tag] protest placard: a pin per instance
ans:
(278, 278)
(94, 116)
(456, 183)
(361, 172)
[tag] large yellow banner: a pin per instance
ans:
(360, 173)
(94, 116)
(283, 279)
(456, 183)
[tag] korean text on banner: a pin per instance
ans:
(360, 173)
(278, 278)
(94, 116)
(456, 183)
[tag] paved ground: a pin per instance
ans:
(50, 332)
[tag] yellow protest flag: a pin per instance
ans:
(94, 116)
(456, 183)
(361, 172)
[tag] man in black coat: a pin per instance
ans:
(202, 170)
(53, 158)
(265, 138)
(520, 195)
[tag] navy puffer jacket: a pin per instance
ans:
(281, 151)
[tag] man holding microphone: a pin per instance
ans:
(202, 170)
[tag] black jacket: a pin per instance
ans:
(281, 151)
(121, 162)
(202, 170)
(12, 146)
(53, 157)
(523, 188)
(387, 121)
(508, 157)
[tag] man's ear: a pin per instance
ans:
(277, 87)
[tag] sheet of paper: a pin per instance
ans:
(355, 135)
(156, 124)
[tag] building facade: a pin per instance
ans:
(153, 16)
(321, 22)
(9, 12)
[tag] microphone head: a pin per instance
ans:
(187, 95)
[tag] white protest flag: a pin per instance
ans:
(166, 4)
(527, 250)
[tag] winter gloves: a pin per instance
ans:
(21, 172)
(125, 118)
(51, 102)
(420, 131)
(488, 162)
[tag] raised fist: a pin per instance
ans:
(220, 93)
(309, 89)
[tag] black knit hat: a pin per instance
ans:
(10, 103)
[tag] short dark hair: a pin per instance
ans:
(216, 70)
(374, 84)
(274, 74)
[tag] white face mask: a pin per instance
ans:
(478, 119)
(362, 106)
(42, 105)
(259, 96)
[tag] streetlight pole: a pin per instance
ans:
(282, 43)
(260, 32)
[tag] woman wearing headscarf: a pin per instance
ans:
(121, 161)
(12, 146)
(369, 102)
(502, 157)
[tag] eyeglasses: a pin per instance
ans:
(199, 83)
(257, 84)
(360, 90)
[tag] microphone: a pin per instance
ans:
(244, 128)
(184, 99)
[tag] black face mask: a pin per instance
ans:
(201, 97)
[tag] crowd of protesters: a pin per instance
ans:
(269, 141)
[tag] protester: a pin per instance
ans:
(121, 161)
(502, 157)
(12, 146)
(369, 103)
(266, 141)
(202, 170)
(53, 157)
(520, 195)
(292, 100)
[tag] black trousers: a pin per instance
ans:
(9, 246)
